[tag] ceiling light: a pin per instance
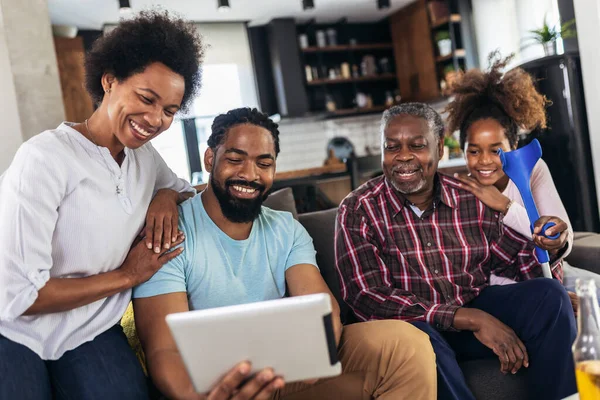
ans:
(124, 6)
(383, 4)
(308, 4)
(223, 5)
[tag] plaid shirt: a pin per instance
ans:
(394, 264)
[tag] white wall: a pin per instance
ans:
(530, 15)
(504, 25)
(10, 134)
(228, 44)
(587, 13)
(30, 93)
(304, 142)
(495, 25)
(34, 66)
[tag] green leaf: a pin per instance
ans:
(441, 35)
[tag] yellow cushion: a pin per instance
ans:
(128, 324)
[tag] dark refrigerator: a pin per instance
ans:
(566, 143)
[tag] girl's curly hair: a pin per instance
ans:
(511, 99)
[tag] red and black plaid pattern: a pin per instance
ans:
(395, 264)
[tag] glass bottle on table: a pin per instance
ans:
(586, 348)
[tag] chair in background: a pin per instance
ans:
(363, 168)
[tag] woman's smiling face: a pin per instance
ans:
(143, 106)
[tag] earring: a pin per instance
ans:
(107, 90)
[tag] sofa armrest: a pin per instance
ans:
(586, 252)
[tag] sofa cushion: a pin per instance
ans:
(282, 200)
(487, 382)
(586, 253)
(128, 324)
(581, 235)
(320, 225)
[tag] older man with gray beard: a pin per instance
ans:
(413, 245)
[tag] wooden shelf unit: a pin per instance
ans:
(349, 47)
(373, 39)
(452, 18)
(373, 78)
(458, 53)
(357, 110)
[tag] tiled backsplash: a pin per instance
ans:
(304, 141)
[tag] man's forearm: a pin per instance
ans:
(170, 376)
(468, 319)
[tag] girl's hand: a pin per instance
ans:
(543, 242)
(489, 195)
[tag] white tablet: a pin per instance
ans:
(294, 336)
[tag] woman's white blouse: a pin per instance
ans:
(68, 210)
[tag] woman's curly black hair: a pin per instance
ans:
(245, 115)
(511, 99)
(151, 36)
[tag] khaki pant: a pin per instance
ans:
(382, 360)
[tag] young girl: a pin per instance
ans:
(489, 108)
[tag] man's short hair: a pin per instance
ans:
(419, 110)
(245, 115)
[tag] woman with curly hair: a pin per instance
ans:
(73, 201)
(489, 109)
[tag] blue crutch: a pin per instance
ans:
(518, 166)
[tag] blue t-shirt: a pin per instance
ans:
(216, 270)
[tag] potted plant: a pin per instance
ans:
(547, 35)
(444, 43)
(451, 147)
(450, 76)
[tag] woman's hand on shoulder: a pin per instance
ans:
(489, 195)
(162, 220)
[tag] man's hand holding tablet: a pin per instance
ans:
(232, 386)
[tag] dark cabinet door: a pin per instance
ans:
(565, 144)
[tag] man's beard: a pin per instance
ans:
(234, 209)
(408, 187)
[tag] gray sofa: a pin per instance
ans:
(483, 376)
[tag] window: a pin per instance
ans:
(227, 83)
(171, 146)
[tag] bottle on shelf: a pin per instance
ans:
(315, 72)
(331, 37)
(345, 70)
(309, 73)
(303, 41)
(330, 103)
(586, 348)
(368, 66)
(321, 41)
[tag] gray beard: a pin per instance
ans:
(418, 187)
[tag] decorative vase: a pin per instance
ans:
(549, 48)
(444, 47)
